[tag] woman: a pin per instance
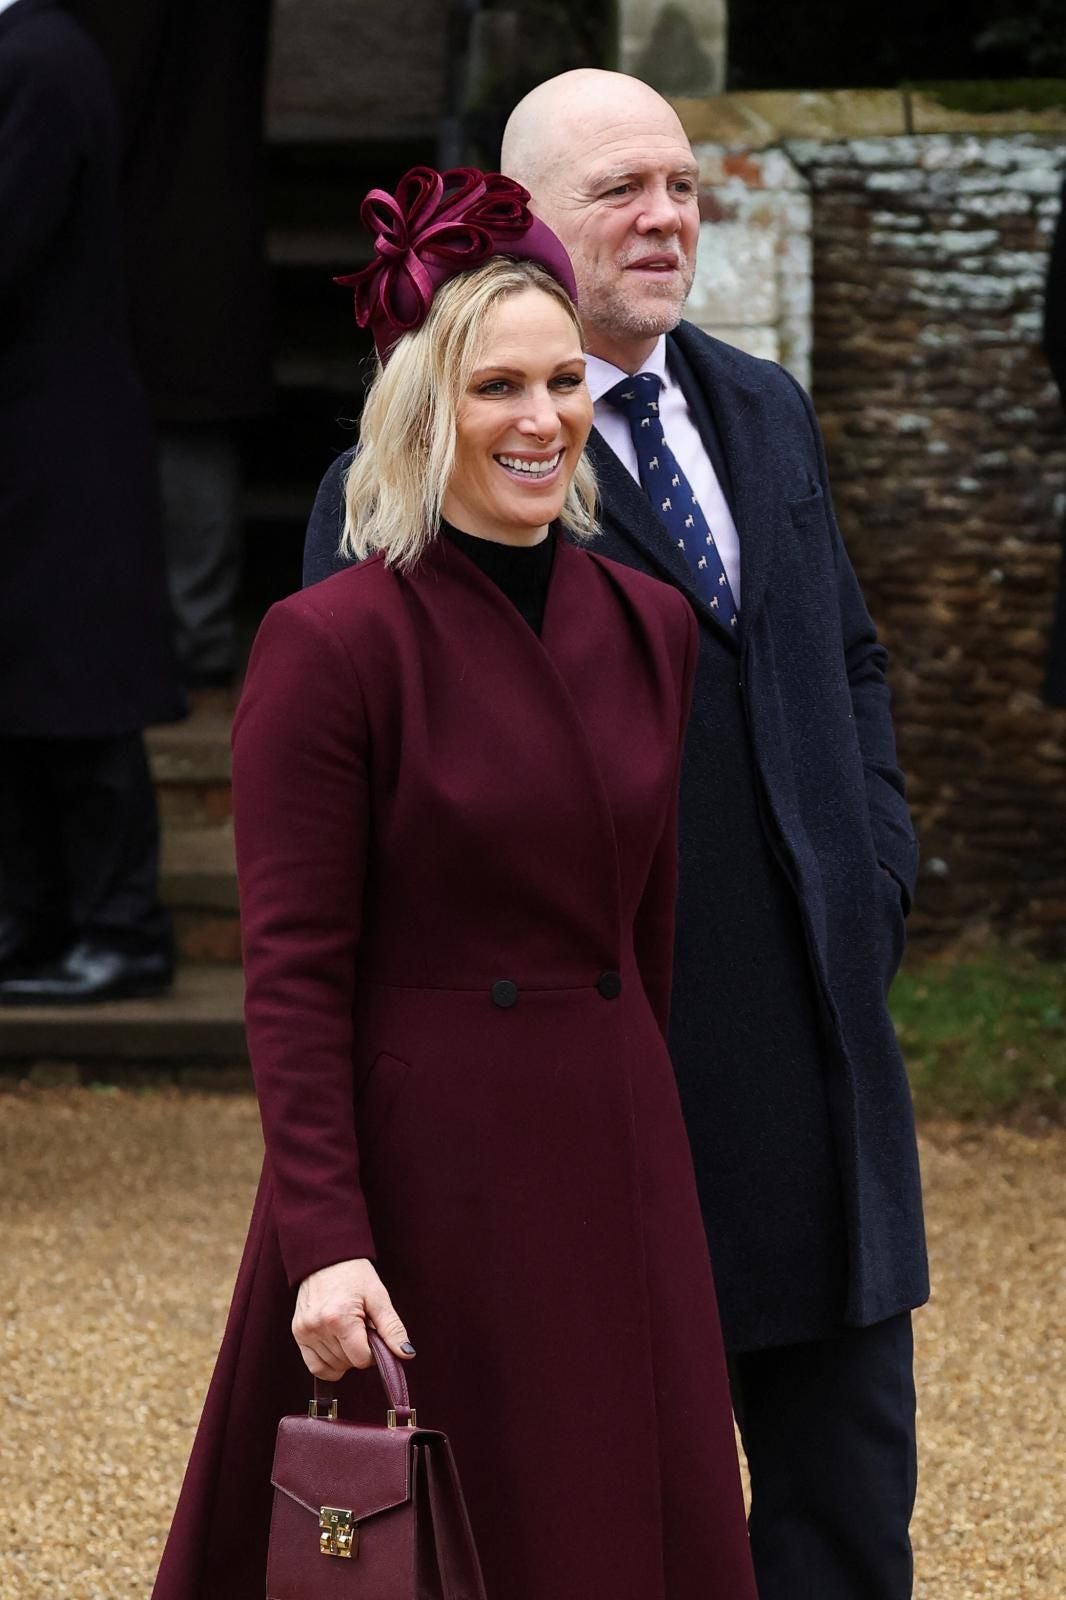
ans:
(455, 773)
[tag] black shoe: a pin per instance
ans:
(88, 971)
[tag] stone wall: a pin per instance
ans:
(753, 274)
(947, 449)
(678, 46)
(948, 452)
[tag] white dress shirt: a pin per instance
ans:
(5, 3)
(684, 440)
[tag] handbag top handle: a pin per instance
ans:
(394, 1380)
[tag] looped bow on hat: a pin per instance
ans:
(437, 225)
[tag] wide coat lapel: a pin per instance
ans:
(626, 509)
(535, 686)
(738, 408)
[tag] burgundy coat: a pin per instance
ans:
(456, 844)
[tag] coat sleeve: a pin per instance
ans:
(40, 158)
(653, 930)
(326, 525)
(866, 660)
(300, 800)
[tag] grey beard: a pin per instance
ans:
(613, 313)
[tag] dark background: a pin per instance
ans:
(824, 44)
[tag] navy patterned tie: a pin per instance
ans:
(671, 493)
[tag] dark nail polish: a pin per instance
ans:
(408, 1348)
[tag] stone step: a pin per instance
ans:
(207, 938)
(196, 750)
(198, 870)
(200, 1021)
(194, 804)
(198, 881)
(285, 460)
(317, 175)
(315, 190)
(190, 764)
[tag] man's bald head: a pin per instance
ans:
(608, 165)
(545, 129)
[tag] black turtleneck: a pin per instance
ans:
(521, 571)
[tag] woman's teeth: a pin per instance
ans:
(532, 469)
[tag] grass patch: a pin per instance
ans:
(983, 1037)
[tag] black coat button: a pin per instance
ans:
(504, 993)
(610, 985)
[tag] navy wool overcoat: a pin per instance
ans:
(457, 853)
(189, 76)
(85, 644)
(798, 863)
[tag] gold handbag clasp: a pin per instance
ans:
(338, 1533)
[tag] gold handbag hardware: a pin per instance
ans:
(338, 1533)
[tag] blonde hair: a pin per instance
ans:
(398, 478)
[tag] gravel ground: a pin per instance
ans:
(123, 1215)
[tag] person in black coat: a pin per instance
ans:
(189, 76)
(1055, 351)
(86, 660)
(798, 859)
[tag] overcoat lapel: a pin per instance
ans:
(726, 410)
(480, 629)
(737, 406)
(625, 505)
(703, 416)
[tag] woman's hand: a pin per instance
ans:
(333, 1307)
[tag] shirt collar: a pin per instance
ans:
(5, 3)
(601, 375)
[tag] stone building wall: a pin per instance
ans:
(947, 449)
(753, 275)
(948, 452)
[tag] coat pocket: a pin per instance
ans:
(379, 1102)
(808, 510)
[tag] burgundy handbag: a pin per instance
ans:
(368, 1511)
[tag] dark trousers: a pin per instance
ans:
(829, 1432)
(201, 491)
(79, 843)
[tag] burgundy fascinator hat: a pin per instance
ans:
(437, 225)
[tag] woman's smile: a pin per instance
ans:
(536, 470)
(521, 423)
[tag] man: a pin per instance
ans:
(85, 653)
(797, 854)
